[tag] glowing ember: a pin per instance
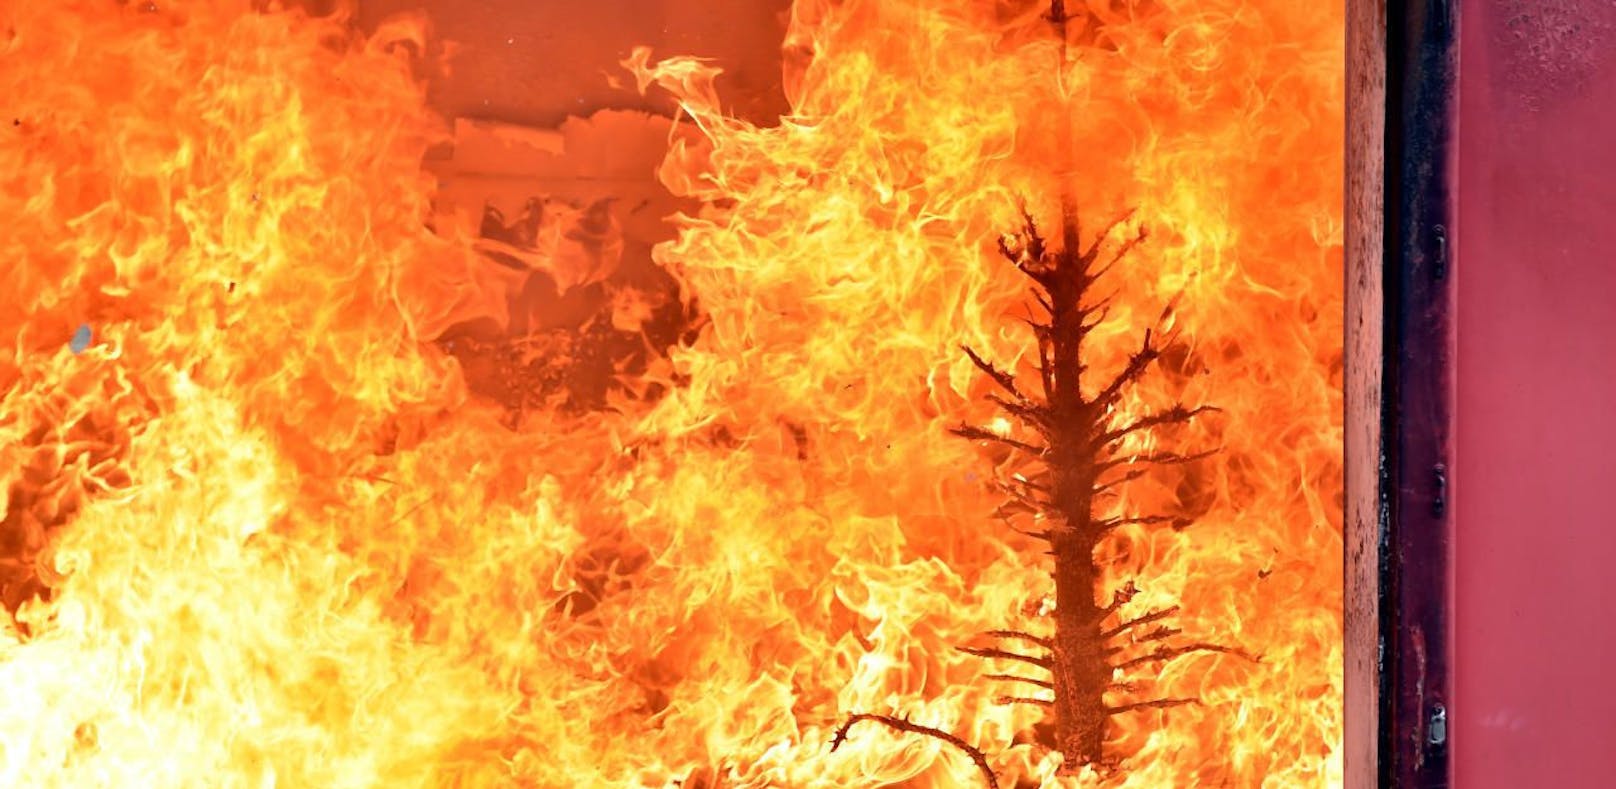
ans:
(259, 533)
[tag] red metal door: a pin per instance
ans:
(1535, 477)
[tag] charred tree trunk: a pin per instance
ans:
(1079, 665)
(1081, 458)
(1095, 654)
(1080, 670)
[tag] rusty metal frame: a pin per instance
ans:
(1416, 601)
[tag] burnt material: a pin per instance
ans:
(1084, 463)
(905, 725)
(1097, 663)
(1082, 454)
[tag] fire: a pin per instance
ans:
(259, 532)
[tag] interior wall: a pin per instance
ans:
(535, 62)
(1535, 551)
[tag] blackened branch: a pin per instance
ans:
(1153, 704)
(910, 727)
(1097, 316)
(1043, 301)
(1155, 459)
(1094, 249)
(1026, 411)
(1027, 255)
(1010, 253)
(1162, 654)
(1100, 307)
(1028, 501)
(1007, 512)
(1046, 370)
(1037, 272)
(1110, 487)
(1041, 331)
(1176, 415)
(1032, 239)
(1108, 524)
(1045, 535)
(1122, 252)
(1153, 616)
(1120, 598)
(1042, 662)
(1042, 683)
(1023, 481)
(1024, 700)
(1005, 380)
(1058, 16)
(1028, 251)
(974, 433)
(1159, 634)
(1137, 364)
(1023, 502)
(1022, 636)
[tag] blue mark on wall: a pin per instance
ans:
(81, 339)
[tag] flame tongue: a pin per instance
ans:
(283, 546)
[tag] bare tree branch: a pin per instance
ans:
(1029, 501)
(1005, 380)
(1026, 411)
(1142, 520)
(1022, 636)
(1042, 683)
(974, 433)
(1176, 415)
(1156, 459)
(1043, 301)
(1163, 654)
(1023, 700)
(1122, 251)
(1046, 369)
(1153, 704)
(1120, 598)
(1137, 363)
(1022, 480)
(984, 652)
(905, 725)
(1159, 634)
(1094, 248)
(1124, 627)
(1130, 476)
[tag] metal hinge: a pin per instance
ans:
(1439, 268)
(1439, 501)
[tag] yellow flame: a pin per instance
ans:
(284, 547)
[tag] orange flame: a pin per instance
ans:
(284, 546)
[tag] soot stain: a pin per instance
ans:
(1551, 48)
